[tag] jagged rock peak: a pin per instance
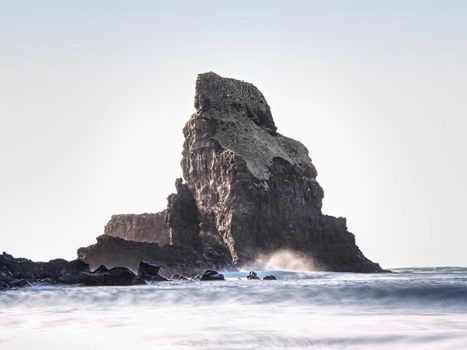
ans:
(237, 116)
(225, 94)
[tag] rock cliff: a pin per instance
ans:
(150, 228)
(249, 192)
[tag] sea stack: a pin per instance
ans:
(248, 191)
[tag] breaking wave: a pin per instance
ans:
(416, 308)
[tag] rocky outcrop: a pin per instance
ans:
(116, 276)
(20, 272)
(149, 273)
(209, 275)
(255, 188)
(21, 268)
(150, 228)
(173, 259)
(249, 192)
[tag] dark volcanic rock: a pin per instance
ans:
(71, 273)
(252, 276)
(148, 272)
(20, 272)
(183, 217)
(212, 276)
(21, 268)
(117, 276)
(150, 228)
(256, 188)
(269, 278)
(174, 259)
(249, 193)
(101, 269)
(5, 279)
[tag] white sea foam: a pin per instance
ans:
(416, 308)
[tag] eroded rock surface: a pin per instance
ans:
(249, 192)
(256, 188)
(150, 228)
(173, 259)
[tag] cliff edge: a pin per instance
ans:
(248, 192)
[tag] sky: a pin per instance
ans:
(94, 96)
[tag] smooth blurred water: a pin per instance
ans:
(423, 308)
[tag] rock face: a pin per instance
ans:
(249, 192)
(20, 272)
(173, 259)
(21, 268)
(255, 188)
(150, 228)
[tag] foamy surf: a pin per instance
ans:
(416, 308)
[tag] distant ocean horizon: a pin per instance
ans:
(420, 308)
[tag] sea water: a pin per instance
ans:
(408, 309)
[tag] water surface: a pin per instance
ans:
(416, 308)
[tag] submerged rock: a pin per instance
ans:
(212, 276)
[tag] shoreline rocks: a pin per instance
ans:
(20, 272)
(270, 278)
(148, 273)
(252, 276)
(210, 275)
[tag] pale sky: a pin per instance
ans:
(94, 96)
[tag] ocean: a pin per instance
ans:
(413, 308)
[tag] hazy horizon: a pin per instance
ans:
(95, 96)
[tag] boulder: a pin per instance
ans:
(148, 272)
(210, 275)
(269, 278)
(71, 273)
(101, 269)
(116, 276)
(252, 276)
